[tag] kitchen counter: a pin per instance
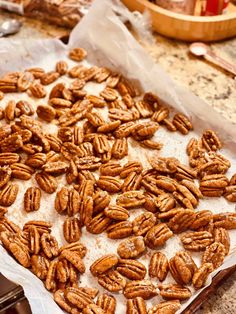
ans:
(208, 82)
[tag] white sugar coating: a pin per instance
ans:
(98, 245)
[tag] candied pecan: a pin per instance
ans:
(34, 240)
(40, 265)
(50, 282)
(8, 194)
(46, 113)
(62, 67)
(67, 201)
(196, 241)
(131, 166)
(72, 173)
(116, 212)
(21, 171)
(55, 168)
(215, 254)
(8, 85)
(120, 148)
(42, 226)
(5, 175)
(77, 54)
(32, 199)
(131, 269)
(221, 235)
(95, 118)
(55, 142)
(182, 220)
(78, 297)
(93, 309)
(184, 172)
(24, 81)
(109, 127)
(174, 292)
(86, 188)
(3, 211)
(49, 77)
(46, 182)
(59, 298)
(101, 200)
(101, 144)
(110, 184)
(131, 199)
(213, 185)
(144, 109)
(111, 168)
(160, 114)
(71, 229)
(210, 141)
(112, 281)
(10, 110)
(77, 247)
(132, 182)
(159, 266)
(140, 288)
(151, 144)
(131, 248)
(164, 165)
(225, 220)
(182, 267)
(136, 306)
(74, 258)
(60, 103)
(98, 224)
(107, 303)
(49, 245)
(11, 143)
(109, 94)
(145, 130)
(158, 235)
(8, 158)
(103, 264)
(202, 218)
(165, 202)
(124, 130)
(5, 131)
(86, 210)
(167, 307)
(165, 183)
(187, 194)
(120, 230)
(143, 223)
(182, 123)
(88, 163)
(36, 160)
(37, 90)
(201, 275)
(7, 225)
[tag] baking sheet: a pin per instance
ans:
(117, 49)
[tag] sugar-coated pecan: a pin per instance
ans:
(49, 245)
(182, 123)
(112, 281)
(101, 200)
(182, 267)
(159, 266)
(21, 171)
(86, 210)
(125, 129)
(32, 199)
(215, 254)
(62, 67)
(36, 160)
(196, 241)
(11, 143)
(50, 282)
(131, 269)
(49, 77)
(202, 219)
(131, 166)
(143, 223)
(24, 81)
(42, 226)
(116, 212)
(140, 288)
(119, 148)
(144, 109)
(182, 220)
(225, 220)
(210, 141)
(77, 247)
(98, 224)
(72, 173)
(167, 307)
(77, 54)
(111, 168)
(40, 265)
(5, 175)
(145, 130)
(71, 229)
(151, 144)
(158, 235)
(174, 292)
(8, 194)
(103, 264)
(107, 303)
(37, 90)
(46, 182)
(230, 193)
(131, 248)
(109, 94)
(201, 275)
(8, 158)
(165, 202)
(59, 298)
(55, 168)
(120, 230)
(213, 185)
(34, 240)
(74, 258)
(46, 113)
(67, 201)
(78, 297)
(164, 165)
(88, 163)
(136, 306)
(221, 235)
(93, 309)
(132, 182)
(131, 199)
(109, 183)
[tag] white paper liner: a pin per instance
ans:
(109, 43)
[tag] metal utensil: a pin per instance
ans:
(202, 50)
(10, 27)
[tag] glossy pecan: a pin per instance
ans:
(174, 292)
(78, 297)
(8, 194)
(74, 258)
(49, 77)
(215, 254)
(210, 141)
(103, 264)
(46, 182)
(32, 198)
(5, 175)
(40, 265)
(132, 182)
(109, 184)
(24, 81)
(36, 160)
(120, 230)
(225, 220)
(93, 309)
(145, 130)
(42, 226)
(61, 67)
(107, 303)
(136, 306)
(202, 219)
(158, 235)
(77, 54)
(131, 199)
(8, 158)
(112, 281)
(119, 148)
(131, 166)
(101, 200)
(59, 298)
(49, 245)
(213, 185)
(125, 129)
(67, 201)
(140, 288)
(143, 223)
(88, 163)
(160, 114)
(182, 123)
(86, 210)
(165, 202)
(167, 307)
(98, 224)
(159, 266)
(196, 241)
(55, 168)
(71, 229)
(182, 220)
(34, 240)
(221, 235)
(111, 168)
(21, 171)
(201, 275)
(131, 248)
(37, 90)
(131, 269)
(77, 247)
(164, 165)
(11, 143)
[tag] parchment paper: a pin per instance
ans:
(109, 43)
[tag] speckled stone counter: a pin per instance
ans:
(208, 82)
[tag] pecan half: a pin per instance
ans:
(40, 265)
(86, 210)
(213, 185)
(101, 200)
(5, 175)
(182, 220)
(109, 184)
(225, 220)
(8, 194)
(46, 113)
(196, 241)
(136, 306)
(215, 254)
(158, 235)
(125, 129)
(221, 235)
(77, 247)
(107, 303)
(112, 281)
(49, 245)
(131, 166)
(116, 212)
(37, 90)
(24, 81)
(131, 199)
(140, 288)
(168, 307)
(103, 264)
(78, 297)
(77, 54)
(145, 130)
(32, 199)
(46, 182)
(202, 219)
(11, 143)
(131, 269)
(131, 248)
(74, 258)
(230, 193)
(67, 201)
(55, 168)
(165, 202)
(59, 298)
(119, 148)
(98, 224)
(182, 123)
(21, 171)
(159, 266)
(8, 158)
(164, 165)
(36, 161)
(201, 275)
(210, 141)
(174, 292)
(120, 230)
(93, 309)
(143, 223)
(71, 229)
(111, 168)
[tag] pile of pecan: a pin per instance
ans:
(94, 136)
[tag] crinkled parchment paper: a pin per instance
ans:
(109, 43)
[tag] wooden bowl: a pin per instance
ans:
(187, 27)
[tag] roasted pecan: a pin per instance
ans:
(151, 144)
(164, 165)
(202, 218)
(5, 131)
(112, 281)
(168, 307)
(3, 211)
(120, 148)
(37, 90)
(215, 254)
(140, 288)
(8, 158)
(182, 123)
(86, 188)
(40, 265)
(109, 127)
(116, 212)
(5, 175)
(93, 309)
(101, 200)
(225, 220)
(120, 230)
(11, 143)
(103, 264)
(78, 297)
(201, 275)
(131, 269)
(46, 113)
(136, 306)
(88, 163)
(107, 303)
(145, 130)
(213, 185)
(143, 223)
(59, 298)
(77, 54)
(169, 125)
(144, 109)
(10, 111)
(8, 194)
(46, 182)
(158, 235)
(111, 168)
(67, 201)
(74, 258)
(49, 245)
(42, 226)
(221, 235)
(36, 161)
(196, 241)
(174, 292)
(131, 248)
(32, 199)
(21, 171)
(125, 129)
(61, 67)
(182, 220)
(98, 224)
(55, 142)
(131, 199)
(182, 267)
(210, 141)
(101, 144)
(72, 173)
(86, 210)
(165, 202)
(50, 282)
(49, 77)
(184, 172)
(159, 266)
(34, 240)
(230, 193)
(77, 247)
(55, 168)
(109, 184)
(95, 118)
(132, 182)
(109, 94)
(71, 229)
(165, 183)
(24, 81)
(130, 167)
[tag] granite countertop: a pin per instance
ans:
(216, 87)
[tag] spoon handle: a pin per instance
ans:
(212, 57)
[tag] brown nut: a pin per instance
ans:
(109, 184)
(214, 254)
(158, 235)
(131, 199)
(103, 264)
(174, 292)
(131, 269)
(159, 266)
(107, 303)
(136, 306)
(32, 199)
(167, 307)
(131, 248)
(112, 281)
(210, 141)
(116, 212)
(49, 245)
(120, 230)
(71, 229)
(8, 194)
(201, 275)
(221, 235)
(140, 288)
(143, 223)
(196, 241)
(182, 123)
